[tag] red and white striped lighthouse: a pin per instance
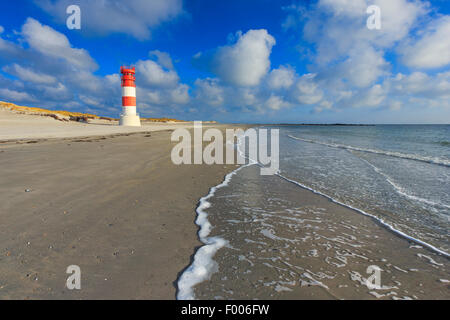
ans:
(129, 117)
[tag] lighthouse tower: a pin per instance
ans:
(129, 117)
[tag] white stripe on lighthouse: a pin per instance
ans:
(128, 92)
(129, 110)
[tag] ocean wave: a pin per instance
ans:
(437, 161)
(378, 219)
(400, 190)
(203, 265)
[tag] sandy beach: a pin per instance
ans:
(110, 200)
(15, 126)
(113, 204)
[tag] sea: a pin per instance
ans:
(264, 237)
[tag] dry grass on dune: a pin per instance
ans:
(161, 120)
(63, 115)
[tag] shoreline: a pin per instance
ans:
(376, 219)
(410, 271)
(138, 226)
(203, 257)
(115, 205)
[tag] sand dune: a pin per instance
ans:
(32, 123)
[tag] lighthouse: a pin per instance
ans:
(129, 117)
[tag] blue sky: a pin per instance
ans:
(233, 61)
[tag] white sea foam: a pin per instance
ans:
(402, 298)
(269, 234)
(380, 220)
(438, 161)
(204, 266)
(279, 288)
(380, 295)
(431, 260)
(310, 281)
(402, 191)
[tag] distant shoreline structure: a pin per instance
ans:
(322, 124)
(351, 124)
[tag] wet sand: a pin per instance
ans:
(115, 206)
(285, 242)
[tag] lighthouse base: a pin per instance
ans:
(130, 120)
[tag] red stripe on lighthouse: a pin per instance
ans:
(129, 101)
(128, 83)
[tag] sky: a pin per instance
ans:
(253, 61)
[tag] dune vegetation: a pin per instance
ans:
(63, 115)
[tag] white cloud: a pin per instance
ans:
(10, 50)
(420, 84)
(397, 19)
(371, 97)
(89, 100)
(247, 61)
(180, 95)
(85, 80)
(55, 44)
(159, 89)
(153, 97)
(401, 91)
(53, 74)
(396, 105)
(338, 25)
(345, 47)
(12, 95)
(1, 29)
(113, 79)
(323, 105)
(163, 58)
(154, 75)
(58, 92)
(363, 66)
(209, 92)
(245, 96)
(307, 91)
(349, 62)
(275, 102)
(133, 17)
(346, 8)
(349, 66)
(283, 77)
(27, 74)
(432, 50)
